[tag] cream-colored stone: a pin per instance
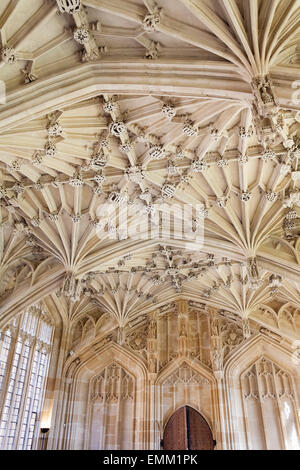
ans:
(157, 106)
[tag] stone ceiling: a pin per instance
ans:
(183, 102)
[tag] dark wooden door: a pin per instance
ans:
(175, 435)
(187, 429)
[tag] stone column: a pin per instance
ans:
(216, 356)
(152, 369)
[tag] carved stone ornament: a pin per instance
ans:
(265, 100)
(222, 162)
(221, 202)
(135, 174)
(50, 150)
(76, 218)
(268, 155)
(246, 328)
(76, 180)
(157, 152)
(187, 376)
(55, 130)
(81, 35)
(117, 197)
(109, 106)
(151, 21)
(72, 287)
(98, 162)
(168, 190)
(245, 196)
(126, 147)
(198, 166)
(253, 275)
(179, 153)
(291, 214)
(189, 128)
(37, 159)
(275, 281)
(15, 165)
(68, 6)
(215, 134)
(271, 196)
(169, 111)
(153, 51)
(8, 55)
(117, 128)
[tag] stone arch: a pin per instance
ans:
(191, 405)
(184, 382)
(90, 366)
(175, 364)
(104, 320)
(289, 318)
(88, 330)
(257, 348)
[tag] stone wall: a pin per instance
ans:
(120, 391)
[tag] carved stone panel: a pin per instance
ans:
(111, 409)
(270, 407)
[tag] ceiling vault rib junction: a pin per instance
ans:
(117, 116)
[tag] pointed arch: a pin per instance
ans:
(185, 382)
(243, 360)
(176, 363)
(79, 400)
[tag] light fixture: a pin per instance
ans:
(44, 431)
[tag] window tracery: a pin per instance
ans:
(25, 348)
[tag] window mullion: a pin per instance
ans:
(34, 385)
(25, 388)
(9, 364)
(18, 371)
(44, 377)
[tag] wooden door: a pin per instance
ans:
(175, 435)
(187, 429)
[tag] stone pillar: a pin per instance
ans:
(216, 356)
(153, 369)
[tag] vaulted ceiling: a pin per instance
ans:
(148, 105)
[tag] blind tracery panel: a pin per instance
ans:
(112, 397)
(270, 408)
(25, 347)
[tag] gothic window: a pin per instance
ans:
(5, 345)
(24, 356)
